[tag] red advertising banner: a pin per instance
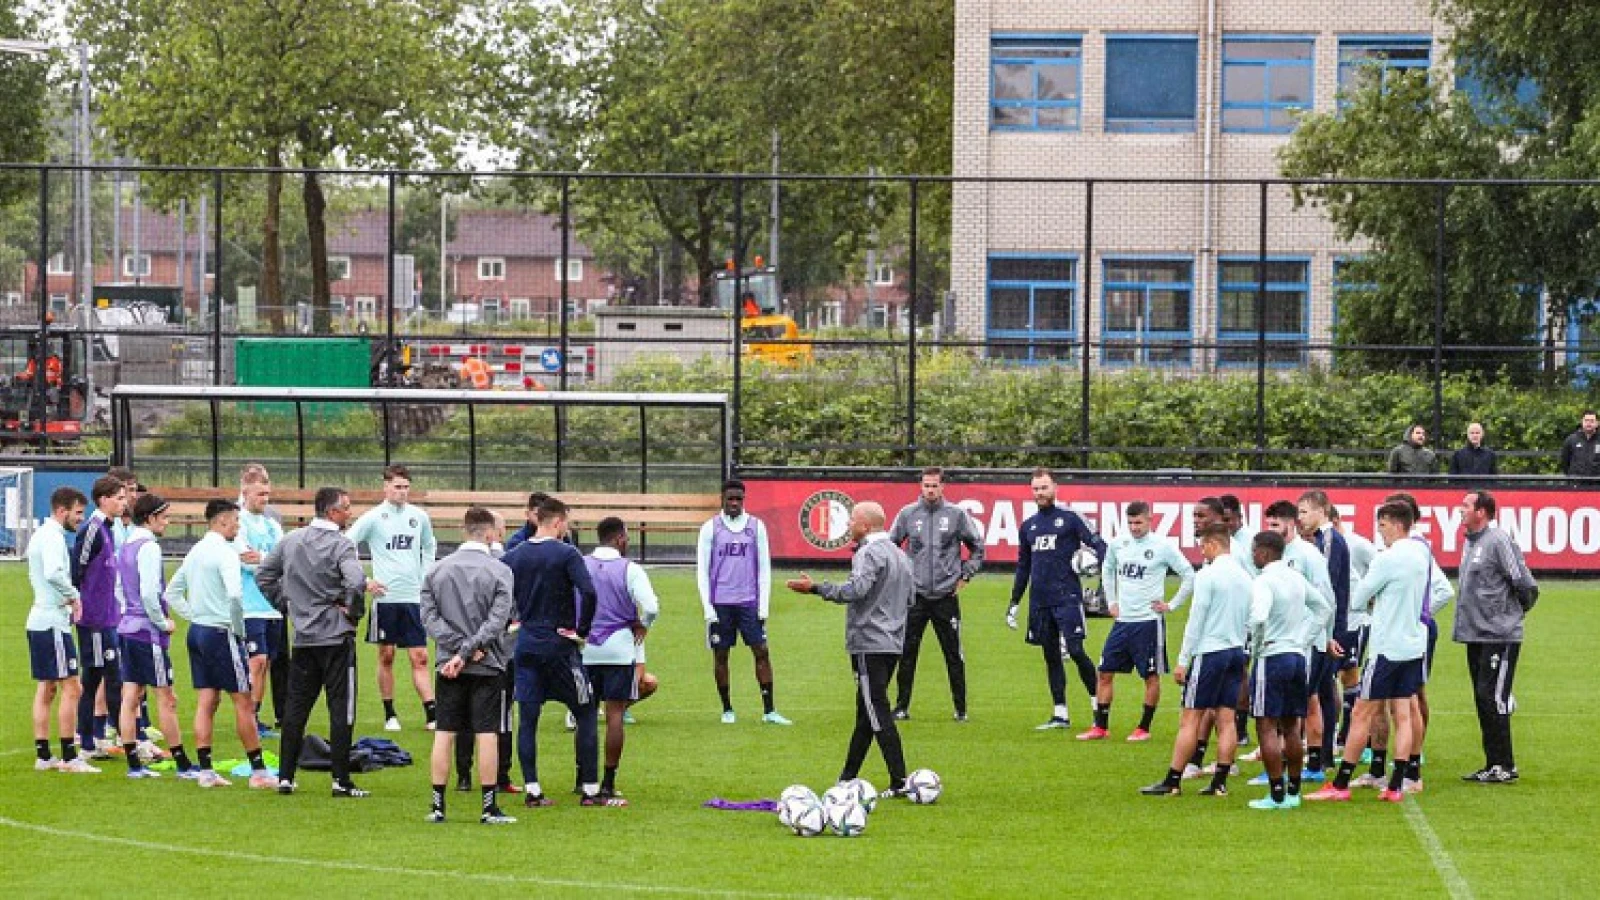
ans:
(1559, 530)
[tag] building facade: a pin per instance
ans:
(1162, 89)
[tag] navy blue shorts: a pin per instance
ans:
(263, 637)
(733, 624)
(1386, 680)
(1433, 638)
(614, 682)
(1136, 646)
(559, 678)
(146, 664)
(217, 660)
(1278, 687)
(98, 646)
(52, 655)
(399, 624)
(1215, 679)
(1324, 668)
(1049, 626)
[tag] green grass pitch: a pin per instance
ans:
(1023, 814)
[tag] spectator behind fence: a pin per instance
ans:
(1412, 456)
(1474, 458)
(1580, 455)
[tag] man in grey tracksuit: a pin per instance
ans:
(315, 576)
(878, 594)
(1496, 592)
(933, 533)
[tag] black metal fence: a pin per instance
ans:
(982, 323)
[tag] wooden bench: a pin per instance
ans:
(645, 514)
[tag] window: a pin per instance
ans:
(58, 264)
(1032, 298)
(12, 298)
(1151, 82)
(521, 308)
(574, 270)
(59, 304)
(1362, 59)
(1035, 83)
(366, 309)
(883, 275)
(491, 268)
(136, 266)
(1265, 81)
(338, 268)
(1492, 107)
(1147, 304)
(831, 314)
(1288, 311)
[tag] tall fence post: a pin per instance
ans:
(1438, 311)
(565, 341)
(737, 316)
(1086, 286)
(41, 353)
(911, 339)
(216, 279)
(388, 268)
(1261, 337)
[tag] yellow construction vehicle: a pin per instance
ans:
(768, 334)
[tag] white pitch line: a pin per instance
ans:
(341, 865)
(1442, 863)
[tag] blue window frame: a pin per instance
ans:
(1493, 108)
(1032, 306)
(1383, 58)
(1152, 82)
(1147, 312)
(1288, 310)
(1265, 82)
(1035, 83)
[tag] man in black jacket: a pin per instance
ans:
(1474, 458)
(1580, 455)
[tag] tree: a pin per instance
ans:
(307, 82)
(694, 87)
(1505, 246)
(23, 96)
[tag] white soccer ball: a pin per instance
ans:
(1085, 563)
(794, 792)
(866, 794)
(803, 815)
(843, 811)
(924, 786)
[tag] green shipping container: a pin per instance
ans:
(303, 362)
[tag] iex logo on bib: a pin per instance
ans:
(825, 519)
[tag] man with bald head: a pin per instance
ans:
(878, 594)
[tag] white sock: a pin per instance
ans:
(532, 789)
(589, 790)
(1061, 710)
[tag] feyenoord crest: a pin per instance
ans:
(1059, 523)
(1149, 554)
(825, 519)
(412, 523)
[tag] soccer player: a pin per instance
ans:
(1050, 538)
(933, 533)
(94, 573)
(208, 591)
(145, 629)
(1243, 536)
(51, 652)
(1213, 641)
(1207, 511)
(315, 576)
(1439, 595)
(400, 538)
(1134, 575)
(878, 594)
(258, 536)
(613, 655)
(1358, 623)
(465, 606)
(734, 573)
(1395, 588)
(546, 576)
(1280, 620)
(1497, 592)
(1314, 517)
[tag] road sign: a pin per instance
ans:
(550, 359)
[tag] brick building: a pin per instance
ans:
(154, 247)
(1183, 89)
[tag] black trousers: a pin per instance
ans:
(466, 744)
(874, 718)
(330, 671)
(1493, 668)
(944, 614)
(278, 672)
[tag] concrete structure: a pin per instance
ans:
(1156, 89)
(627, 334)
